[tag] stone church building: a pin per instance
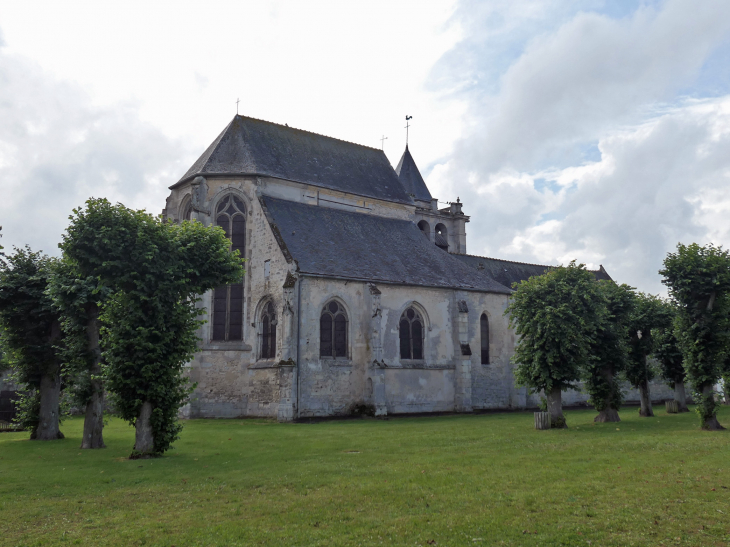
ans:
(358, 288)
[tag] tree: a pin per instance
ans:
(698, 278)
(645, 315)
(609, 352)
(154, 270)
(669, 355)
(556, 316)
(31, 331)
(77, 300)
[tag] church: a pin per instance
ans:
(358, 294)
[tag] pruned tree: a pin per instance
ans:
(77, 300)
(645, 315)
(556, 316)
(31, 332)
(609, 352)
(698, 278)
(668, 354)
(154, 269)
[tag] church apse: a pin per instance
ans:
(358, 289)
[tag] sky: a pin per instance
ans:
(590, 130)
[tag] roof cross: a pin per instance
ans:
(382, 142)
(407, 126)
(237, 101)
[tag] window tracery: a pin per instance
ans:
(228, 299)
(411, 333)
(333, 331)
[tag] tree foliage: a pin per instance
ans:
(647, 314)
(556, 316)
(73, 297)
(154, 270)
(78, 300)
(666, 348)
(698, 278)
(609, 348)
(31, 332)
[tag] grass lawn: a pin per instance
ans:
(487, 479)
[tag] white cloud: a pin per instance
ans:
(582, 147)
(57, 150)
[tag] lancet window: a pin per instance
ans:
(228, 299)
(411, 335)
(268, 331)
(333, 331)
(484, 334)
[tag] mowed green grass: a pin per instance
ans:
(487, 479)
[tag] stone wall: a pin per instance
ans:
(331, 386)
(233, 380)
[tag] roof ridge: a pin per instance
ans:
(518, 262)
(505, 260)
(287, 126)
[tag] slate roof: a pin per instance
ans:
(410, 177)
(248, 146)
(507, 272)
(349, 245)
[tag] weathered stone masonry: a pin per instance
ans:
(329, 221)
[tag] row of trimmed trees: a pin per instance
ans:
(116, 316)
(573, 328)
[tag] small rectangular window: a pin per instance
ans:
(267, 268)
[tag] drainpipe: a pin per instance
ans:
(299, 338)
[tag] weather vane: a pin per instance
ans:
(237, 101)
(407, 126)
(382, 141)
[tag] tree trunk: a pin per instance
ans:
(94, 420)
(555, 408)
(710, 422)
(50, 391)
(680, 396)
(646, 411)
(608, 414)
(144, 444)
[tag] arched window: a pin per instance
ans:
(228, 299)
(268, 331)
(187, 209)
(425, 228)
(333, 331)
(484, 332)
(411, 335)
(442, 237)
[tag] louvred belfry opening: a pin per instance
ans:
(228, 299)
